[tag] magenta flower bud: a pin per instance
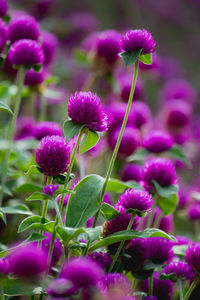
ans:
(115, 282)
(85, 108)
(50, 189)
(3, 8)
(192, 256)
(157, 141)
(131, 172)
(159, 169)
(136, 199)
(33, 78)
(82, 272)
(160, 250)
(53, 155)
(102, 259)
(129, 143)
(181, 269)
(61, 288)
(46, 128)
(27, 261)
(125, 88)
(194, 211)
(24, 128)
(23, 27)
(141, 114)
(49, 46)
(134, 40)
(26, 53)
(178, 114)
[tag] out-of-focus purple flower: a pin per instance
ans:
(178, 114)
(157, 141)
(129, 143)
(160, 250)
(50, 189)
(42, 7)
(134, 40)
(159, 169)
(88, 44)
(125, 83)
(57, 249)
(85, 108)
(162, 289)
(141, 114)
(192, 256)
(82, 272)
(181, 269)
(49, 46)
(53, 155)
(182, 240)
(23, 27)
(65, 200)
(136, 199)
(102, 259)
(46, 128)
(26, 53)
(194, 211)
(3, 34)
(24, 128)
(3, 8)
(131, 172)
(27, 261)
(61, 287)
(33, 78)
(115, 282)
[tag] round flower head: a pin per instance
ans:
(160, 250)
(192, 256)
(159, 169)
(27, 261)
(23, 27)
(131, 172)
(157, 141)
(178, 114)
(125, 88)
(26, 53)
(182, 270)
(3, 34)
(46, 128)
(61, 288)
(57, 249)
(134, 40)
(194, 211)
(33, 78)
(141, 114)
(136, 199)
(49, 46)
(129, 143)
(85, 108)
(82, 272)
(24, 128)
(3, 8)
(50, 189)
(115, 282)
(102, 259)
(53, 155)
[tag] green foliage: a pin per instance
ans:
(89, 140)
(5, 107)
(71, 129)
(130, 58)
(118, 186)
(177, 153)
(146, 58)
(108, 211)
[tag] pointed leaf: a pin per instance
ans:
(3, 217)
(37, 196)
(108, 211)
(146, 59)
(67, 233)
(118, 186)
(168, 205)
(28, 222)
(165, 191)
(35, 236)
(29, 187)
(5, 107)
(33, 170)
(18, 209)
(89, 140)
(71, 129)
(178, 153)
(139, 155)
(81, 57)
(130, 58)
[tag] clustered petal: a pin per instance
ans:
(158, 141)
(181, 269)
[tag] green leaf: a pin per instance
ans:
(18, 209)
(3, 217)
(29, 222)
(29, 187)
(179, 250)
(37, 196)
(128, 235)
(37, 67)
(6, 190)
(15, 287)
(146, 59)
(139, 155)
(171, 276)
(85, 201)
(81, 57)
(118, 186)
(130, 58)
(89, 140)
(35, 236)
(71, 129)
(177, 152)
(60, 179)
(150, 265)
(108, 211)
(5, 107)
(165, 191)
(33, 170)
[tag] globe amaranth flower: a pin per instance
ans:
(157, 141)
(46, 128)
(125, 83)
(192, 256)
(141, 114)
(53, 155)
(103, 259)
(33, 78)
(27, 261)
(57, 249)
(23, 27)
(160, 250)
(3, 8)
(61, 287)
(134, 40)
(159, 169)
(3, 34)
(136, 199)
(49, 46)
(129, 143)
(131, 172)
(178, 114)
(50, 189)
(194, 211)
(24, 128)
(85, 108)
(115, 282)
(25, 53)
(182, 270)
(82, 272)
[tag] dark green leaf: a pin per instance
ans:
(14, 287)
(165, 191)
(178, 153)
(29, 187)
(28, 222)
(130, 58)
(168, 205)
(18, 209)
(139, 155)
(5, 107)
(89, 140)
(137, 212)
(3, 217)
(6, 18)
(60, 179)
(81, 57)
(85, 201)
(108, 211)
(37, 67)
(71, 129)
(171, 276)
(118, 186)
(35, 236)
(6, 190)
(150, 265)
(37, 196)
(146, 59)
(33, 170)
(67, 233)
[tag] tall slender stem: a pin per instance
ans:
(114, 155)
(20, 84)
(179, 282)
(151, 285)
(46, 202)
(191, 288)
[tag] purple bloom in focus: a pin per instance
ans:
(61, 287)
(26, 53)
(131, 172)
(102, 259)
(141, 114)
(160, 250)
(46, 128)
(49, 46)
(3, 8)
(85, 108)
(53, 155)
(23, 27)
(115, 282)
(136, 199)
(33, 78)
(50, 189)
(158, 141)
(24, 128)
(192, 256)
(57, 249)
(134, 40)
(178, 114)
(181, 269)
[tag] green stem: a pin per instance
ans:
(150, 217)
(45, 206)
(11, 130)
(114, 155)
(151, 285)
(121, 245)
(191, 288)
(179, 282)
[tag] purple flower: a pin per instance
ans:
(57, 249)
(3, 8)
(115, 282)
(125, 88)
(82, 272)
(46, 128)
(192, 256)
(159, 169)
(178, 114)
(33, 78)
(157, 141)
(3, 34)
(134, 40)
(61, 287)
(102, 259)
(136, 199)
(131, 172)
(141, 114)
(26, 53)
(160, 250)
(182, 240)
(50, 189)
(150, 298)
(27, 261)
(181, 269)
(23, 27)
(49, 46)
(24, 128)
(53, 155)
(85, 108)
